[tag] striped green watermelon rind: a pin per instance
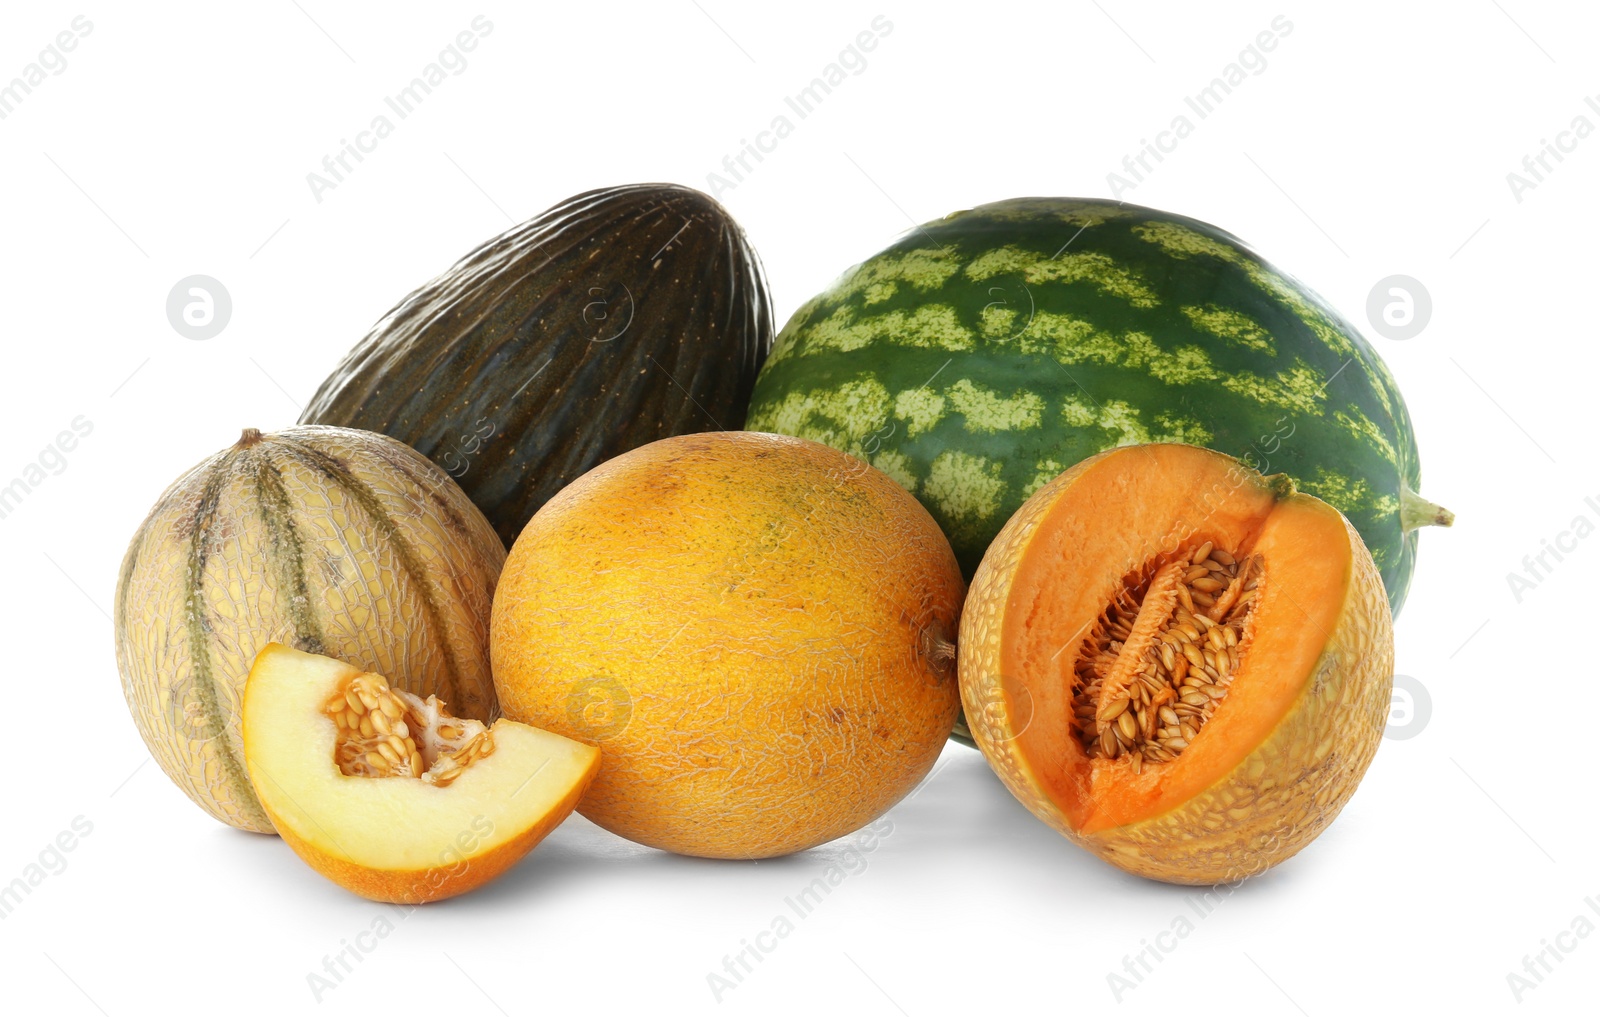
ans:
(986, 352)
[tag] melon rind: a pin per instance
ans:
(1272, 803)
(325, 539)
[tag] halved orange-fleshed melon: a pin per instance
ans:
(387, 794)
(1181, 665)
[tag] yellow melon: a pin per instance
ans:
(755, 630)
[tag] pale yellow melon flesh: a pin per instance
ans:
(398, 838)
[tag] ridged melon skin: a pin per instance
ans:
(329, 540)
(618, 317)
(985, 352)
(1273, 803)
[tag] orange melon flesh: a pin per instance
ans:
(398, 838)
(1119, 514)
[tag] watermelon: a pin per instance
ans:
(982, 354)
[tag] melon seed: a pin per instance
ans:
(1158, 661)
(375, 726)
(1127, 727)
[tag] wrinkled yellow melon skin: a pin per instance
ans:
(1274, 802)
(748, 625)
(329, 540)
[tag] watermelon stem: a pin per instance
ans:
(1417, 511)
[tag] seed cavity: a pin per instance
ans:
(1158, 661)
(385, 732)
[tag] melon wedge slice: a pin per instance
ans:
(388, 795)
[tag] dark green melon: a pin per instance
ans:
(618, 317)
(985, 353)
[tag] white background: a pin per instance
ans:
(1376, 141)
